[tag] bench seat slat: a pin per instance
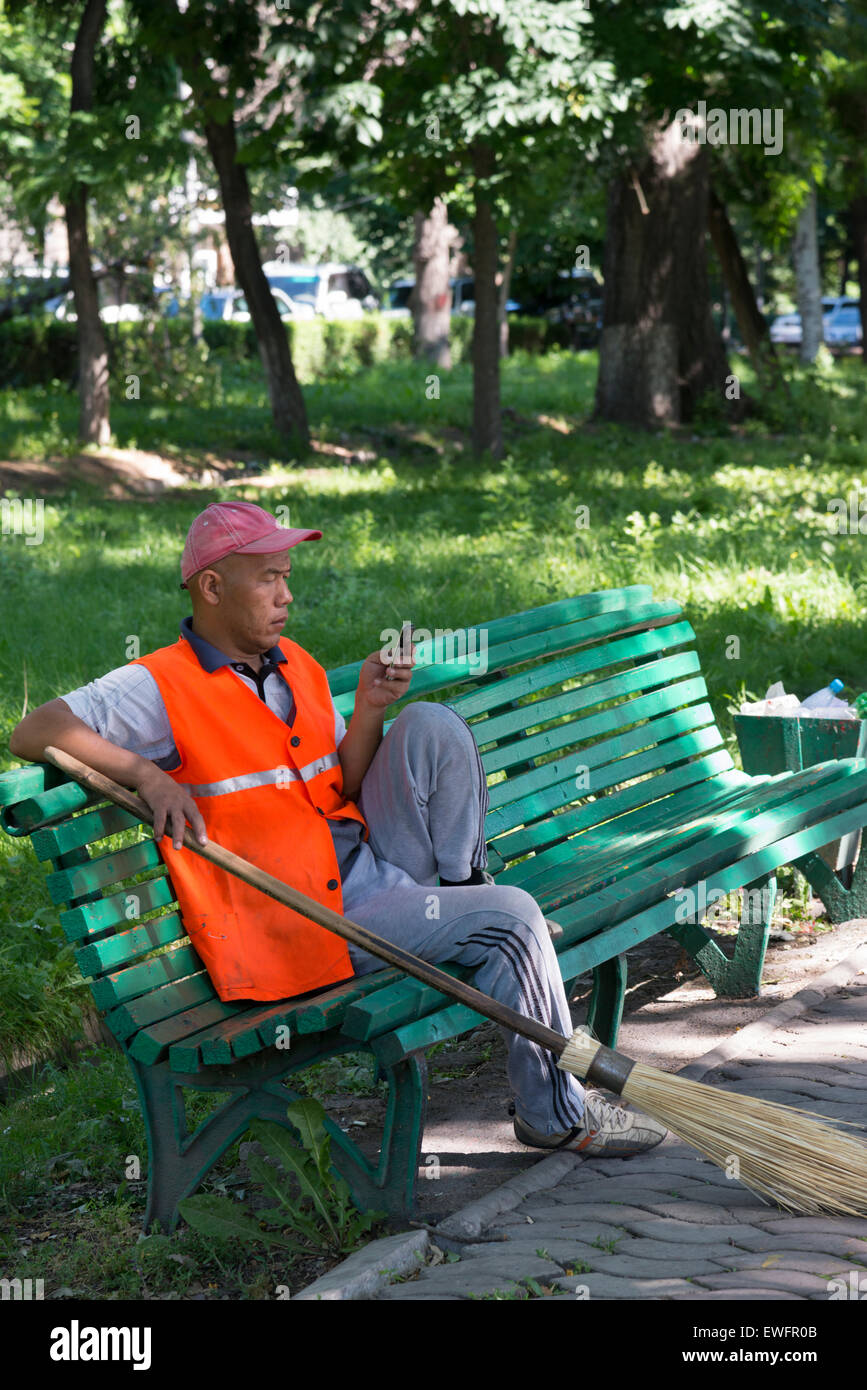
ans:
(580, 953)
(690, 866)
(159, 1005)
(151, 1044)
(399, 1003)
(256, 1029)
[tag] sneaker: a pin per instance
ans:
(606, 1131)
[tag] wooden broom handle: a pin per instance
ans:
(317, 912)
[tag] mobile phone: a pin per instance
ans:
(405, 650)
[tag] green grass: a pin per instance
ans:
(734, 525)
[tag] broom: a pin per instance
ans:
(777, 1151)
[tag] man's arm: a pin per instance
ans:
(360, 742)
(54, 724)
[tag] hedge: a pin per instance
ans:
(41, 349)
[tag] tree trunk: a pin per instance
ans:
(660, 351)
(751, 323)
(805, 255)
(431, 299)
(487, 417)
(858, 216)
(93, 417)
(287, 403)
(505, 289)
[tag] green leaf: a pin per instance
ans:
(308, 1117)
(278, 1144)
(223, 1219)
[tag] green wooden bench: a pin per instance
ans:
(612, 798)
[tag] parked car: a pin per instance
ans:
(786, 328)
(843, 329)
(463, 290)
(229, 305)
(331, 290)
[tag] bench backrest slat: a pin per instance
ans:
(344, 679)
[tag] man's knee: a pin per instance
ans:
(521, 907)
(426, 716)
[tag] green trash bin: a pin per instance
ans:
(774, 743)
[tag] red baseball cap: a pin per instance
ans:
(225, 528)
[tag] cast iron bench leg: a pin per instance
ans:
(842, 904)
(180, 1161)
(738, 976)
(606, 1002)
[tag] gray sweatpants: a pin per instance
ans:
(424, 797)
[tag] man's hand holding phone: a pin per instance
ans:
(385, 676)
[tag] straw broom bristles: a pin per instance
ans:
(779, 1152)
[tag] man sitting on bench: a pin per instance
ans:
(387, 830)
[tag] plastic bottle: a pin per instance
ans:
(826, 697)
(824, 704)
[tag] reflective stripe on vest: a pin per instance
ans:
(266, 791)
(278, 776)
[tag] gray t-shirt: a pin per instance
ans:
(125, 706)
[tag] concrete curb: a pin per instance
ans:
(473, 1219)
(370, 1269)
(754, 1033)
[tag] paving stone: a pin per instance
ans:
(824, 1071)
(682, 1164)
(640, 1196)
(811, 1262)
(486, 1274)
(804, 1090)
(696, 1213)
(634, 1267)
(792, 1280)
(672, 1252)
(586, 1232)
(615, 1286)
(657, 1182)
(689, 1232)
(614, 1213)
(822, 1242)
(741, 1295)
(402, 1292)
(834, 1225)
(561, 1249)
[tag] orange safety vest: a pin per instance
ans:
(265, 791)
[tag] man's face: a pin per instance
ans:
(247, 597)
